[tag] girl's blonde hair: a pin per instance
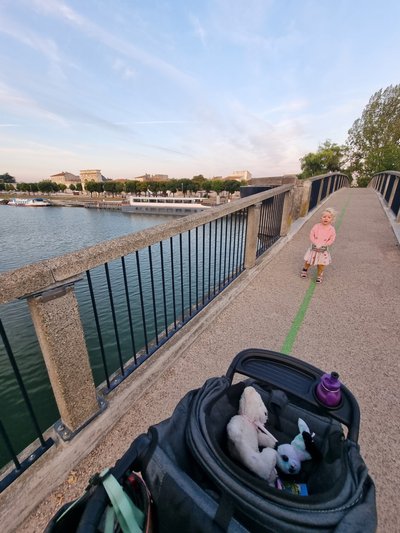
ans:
(331, 211)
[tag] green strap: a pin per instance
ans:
(109, 520)
(129, 517)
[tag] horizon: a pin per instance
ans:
(185, 88)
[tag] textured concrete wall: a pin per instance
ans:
(58, 327)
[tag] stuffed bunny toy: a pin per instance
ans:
(246, 434)
(302, 448)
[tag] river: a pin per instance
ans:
(29, 235)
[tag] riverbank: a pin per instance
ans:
(96, 200)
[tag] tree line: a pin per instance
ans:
(185, 186)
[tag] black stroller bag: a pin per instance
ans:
(196, 486)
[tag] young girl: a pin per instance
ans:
(322, 235)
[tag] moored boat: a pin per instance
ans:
(38, 202)
(17, 202)
(159, 205)
(29, 202)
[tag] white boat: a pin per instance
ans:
(38, 202)
(159, 205)
(17, 202)
(29, 202)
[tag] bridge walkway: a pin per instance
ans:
(349, 323)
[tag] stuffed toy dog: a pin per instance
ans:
(246, 434)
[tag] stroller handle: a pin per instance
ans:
(299, 380)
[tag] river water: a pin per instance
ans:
(27, 236)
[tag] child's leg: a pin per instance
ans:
(320, 271)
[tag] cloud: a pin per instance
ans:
(26, 36)
(198, 29)
(22, 104)
(120, 66)
(90, 30)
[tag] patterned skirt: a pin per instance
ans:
(317, 258)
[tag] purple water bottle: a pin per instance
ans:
(328, 390)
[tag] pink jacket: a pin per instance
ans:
(321, 235)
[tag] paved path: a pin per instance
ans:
(351, 325)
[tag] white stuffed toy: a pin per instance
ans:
(246, 434)
(291, 455)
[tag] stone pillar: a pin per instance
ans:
(287, 212)
(59, 330)
(305, 197)
(253, 224)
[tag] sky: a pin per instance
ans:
(185, 87)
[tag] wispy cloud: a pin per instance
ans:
(60, 10)
(198, 29)
(46, 46)
(22, 104)
(126, 71)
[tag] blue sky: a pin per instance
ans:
(186, 87)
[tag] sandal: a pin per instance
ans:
(303, 273)
(319, 279)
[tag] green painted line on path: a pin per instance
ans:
(301, 313)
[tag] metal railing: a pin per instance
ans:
(270, 223)
(97, 314)
(323, 186)
(151, 293)
(388, 185)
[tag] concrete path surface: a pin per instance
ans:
(351, 325)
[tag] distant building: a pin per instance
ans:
(239, 175)
(91, 175)
(145, 177)
(66, 178)
(159, 177)
(154, 177)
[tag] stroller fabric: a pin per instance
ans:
(196, 487)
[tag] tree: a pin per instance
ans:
(217, 186)
(198, 182)
(131, 186)
(46, 186)
(6, 178)
(120, 187)
(110, 187)
(231, 186)
(24, 187)
(173, 186)
(329, 158)
(374, 139)
(91, 186)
